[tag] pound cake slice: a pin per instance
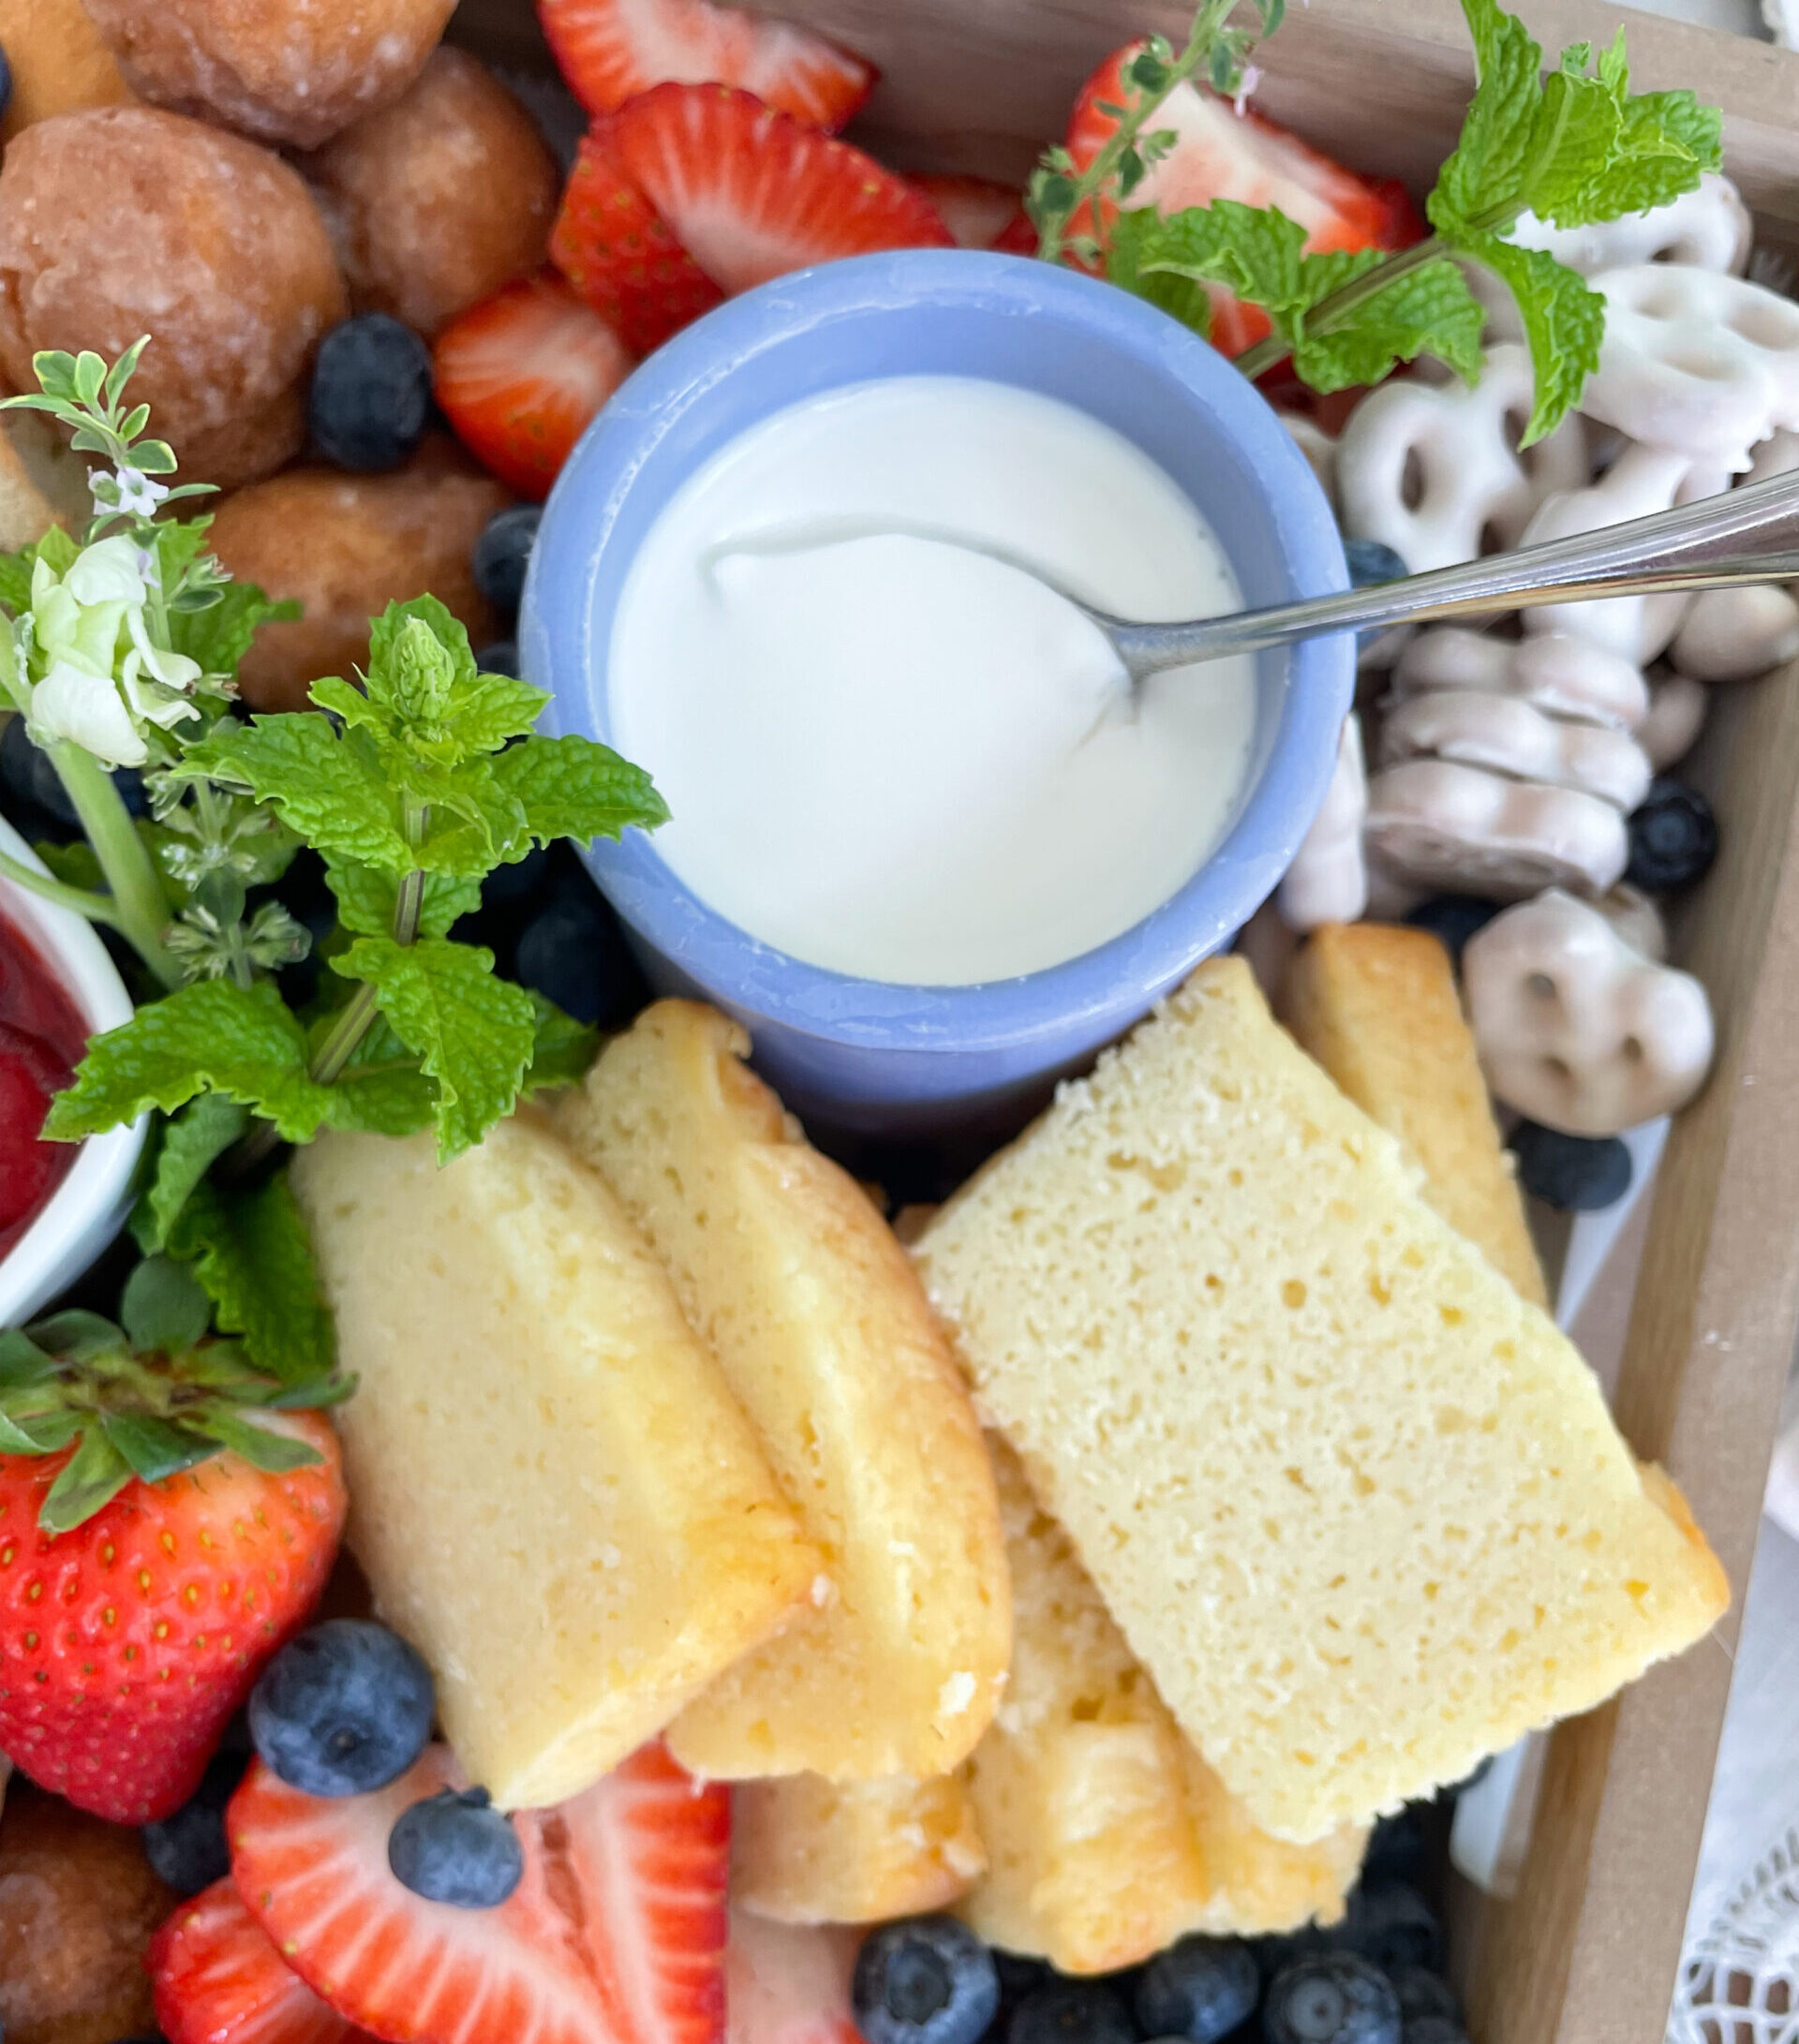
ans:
(804, 1850)
(1360, 1510)
(1376, 1006)
(1108, 1837)
(555, 1496)
(823, 1332)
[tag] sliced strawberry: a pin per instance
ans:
(609, 50)
(520, 376)
(980, 213)
(750, 194)
(1221, 153)
(615, 1936)
(218, 1979)
(611, 245)
(789, 1983)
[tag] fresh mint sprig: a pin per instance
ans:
(1574, 147)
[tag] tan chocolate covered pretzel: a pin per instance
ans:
(1328, 882)
(1557, 671)
(1508, 736)
(1574, 1028)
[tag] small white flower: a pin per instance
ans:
(172, 670)
(76, 703)
(1246, 84)
(130, 491)
(106, 572)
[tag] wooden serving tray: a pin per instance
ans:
(1587, 1950)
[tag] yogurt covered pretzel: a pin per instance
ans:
(1508, 735)
(1736, 634)
(1439, 823)
(1677, 707)
(1556, 672)
(1433, 472)
(1328, 882)
(1706, 228)
(1574, 1028)
(1696, 363)
(1643, 479)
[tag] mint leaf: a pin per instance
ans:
(163, 1309)
(570, 787)
(327, 786)
(1499, 129)
(492, 708)
(382, 1089)
(214, 1035)
(1139, 231)
(563, 1050)
(1563, 323)
(473, 1033)
(1428, 311)
(252, 1253)
(1649, 172)
(218, 636)
(475, 824)
(15, 580)
(190, 1142)
(385, 633)
(366, 900)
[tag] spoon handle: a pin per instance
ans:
(1745, 536)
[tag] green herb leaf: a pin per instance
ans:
(366, 900)
(75, 1336)
(163, 1307)
(252, 1253)
(1138, 233)
(563, 1050)
(15, 580)
(92, 1477)
(473, 1033)
(1498, 132)
(1563, 323)
(212, 1036)
(191, 1141)
(570, 787)
(218, 636)
(153, 1449)
(326, 785)
(1427, 311)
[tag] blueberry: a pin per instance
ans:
(571, 951)
(1398, 1850)
(187, 1851)
(455, 1848)
(498, 656)
(29, 782)
(1434, 2030)
(502, 553)
(1332, 1998)
(371, 393)
(1201, 1987)
(344, 1708)
(1580, 1174)
(1072, 2012)
(1423, 1992)
(925, 1980)
(1019, 1975)
(1391, 1925)
(1673, 838)
(1453, 919)
(1371, 562)
(516, 885)
(5, 83)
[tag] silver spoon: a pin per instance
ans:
(1746, 536)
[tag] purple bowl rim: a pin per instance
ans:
(1114, 979)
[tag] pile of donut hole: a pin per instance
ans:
(234, 180)
(1503, 763)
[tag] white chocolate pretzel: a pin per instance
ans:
(1697, 362)
(1574, 1028)
(1736, 634)
(1508, 736)
(1441, 824)
(1318, 448)
(1640, 480)
(1435, 472)
(1677, 707)
(1637, 918)
(1328, 882)
(1558, 671)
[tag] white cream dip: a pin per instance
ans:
(897, 759)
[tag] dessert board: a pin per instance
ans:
(1585, 1951)
(734, 1368)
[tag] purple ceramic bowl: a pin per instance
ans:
(861, 1057)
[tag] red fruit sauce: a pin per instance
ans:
(42, 1039)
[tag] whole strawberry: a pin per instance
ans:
(159, 1538)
